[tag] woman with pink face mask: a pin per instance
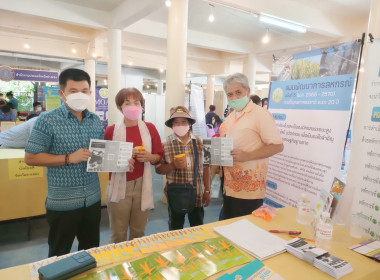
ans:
(181, 150)
(130, 195)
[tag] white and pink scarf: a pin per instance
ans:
(118, 184)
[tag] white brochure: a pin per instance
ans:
(109, 156)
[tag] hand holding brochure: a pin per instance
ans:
(217, 151)
(109, 156)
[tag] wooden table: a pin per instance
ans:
(288, 266)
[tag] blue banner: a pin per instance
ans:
(101, 104)
(322, 93)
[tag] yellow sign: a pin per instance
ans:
(18, 170)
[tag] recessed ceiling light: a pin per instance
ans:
(265, 39)
(168, 3)
(211, 18)
(188, 75)
(73, 50)
(94, 55)
(161, 70)
(130, 63)
(26, 46)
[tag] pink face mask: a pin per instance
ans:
(132, 112)
(181, 130)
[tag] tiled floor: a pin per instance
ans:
(16, 249)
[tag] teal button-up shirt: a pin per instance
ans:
(59, 132)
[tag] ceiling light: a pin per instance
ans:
(284, 23)
(168, 3)
(73, 50)
(188, 75)
(265, 39)
(211, 17)
(147, 86)
(105, 82)
(130, 63)
(161, 70)
(26, 46)
(94, 55)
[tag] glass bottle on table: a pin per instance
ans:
(303, 209)
(324, 231)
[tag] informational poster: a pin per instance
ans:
(19, 170)
(310, 99)
(101, 104)
(109, 156)
(51, 95)
(363, 183)
(197, 110)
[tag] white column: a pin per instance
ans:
(160, 86)
(374, 19)
(89, 67)
(209, 92)
(114, 73)
(176, 56)
(251, 71)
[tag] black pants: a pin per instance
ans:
(82, 223)
(177, 220)
(236, 207)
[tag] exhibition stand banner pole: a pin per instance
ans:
(197, 111)
(363, 180)
(310, 99)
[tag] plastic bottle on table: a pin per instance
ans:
(303, 209)
(324, 231)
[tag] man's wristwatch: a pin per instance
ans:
(207, 191)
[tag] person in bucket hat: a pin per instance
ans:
(178, 166)
(179, 112)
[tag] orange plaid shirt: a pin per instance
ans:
(174, 146)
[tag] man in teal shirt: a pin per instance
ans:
(13, 100)
(59, 140)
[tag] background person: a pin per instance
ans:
(3, 102)
(210, 114)
(6, 113)
(181, 170)
(13, 100)
(264, 103)
(130, 196)
(37, 109)
(256, 99)
(255, 137)
(59, 140)
(17, 137)
(216, 123)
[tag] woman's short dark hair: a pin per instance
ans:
(124, 93)
(73, 74)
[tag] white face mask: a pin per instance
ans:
(38, 109)
(78, 101)
(181, 130)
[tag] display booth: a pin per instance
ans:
(285, 264)
(23, 188)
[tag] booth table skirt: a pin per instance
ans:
(23, 188)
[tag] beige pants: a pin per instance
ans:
(127, 214)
